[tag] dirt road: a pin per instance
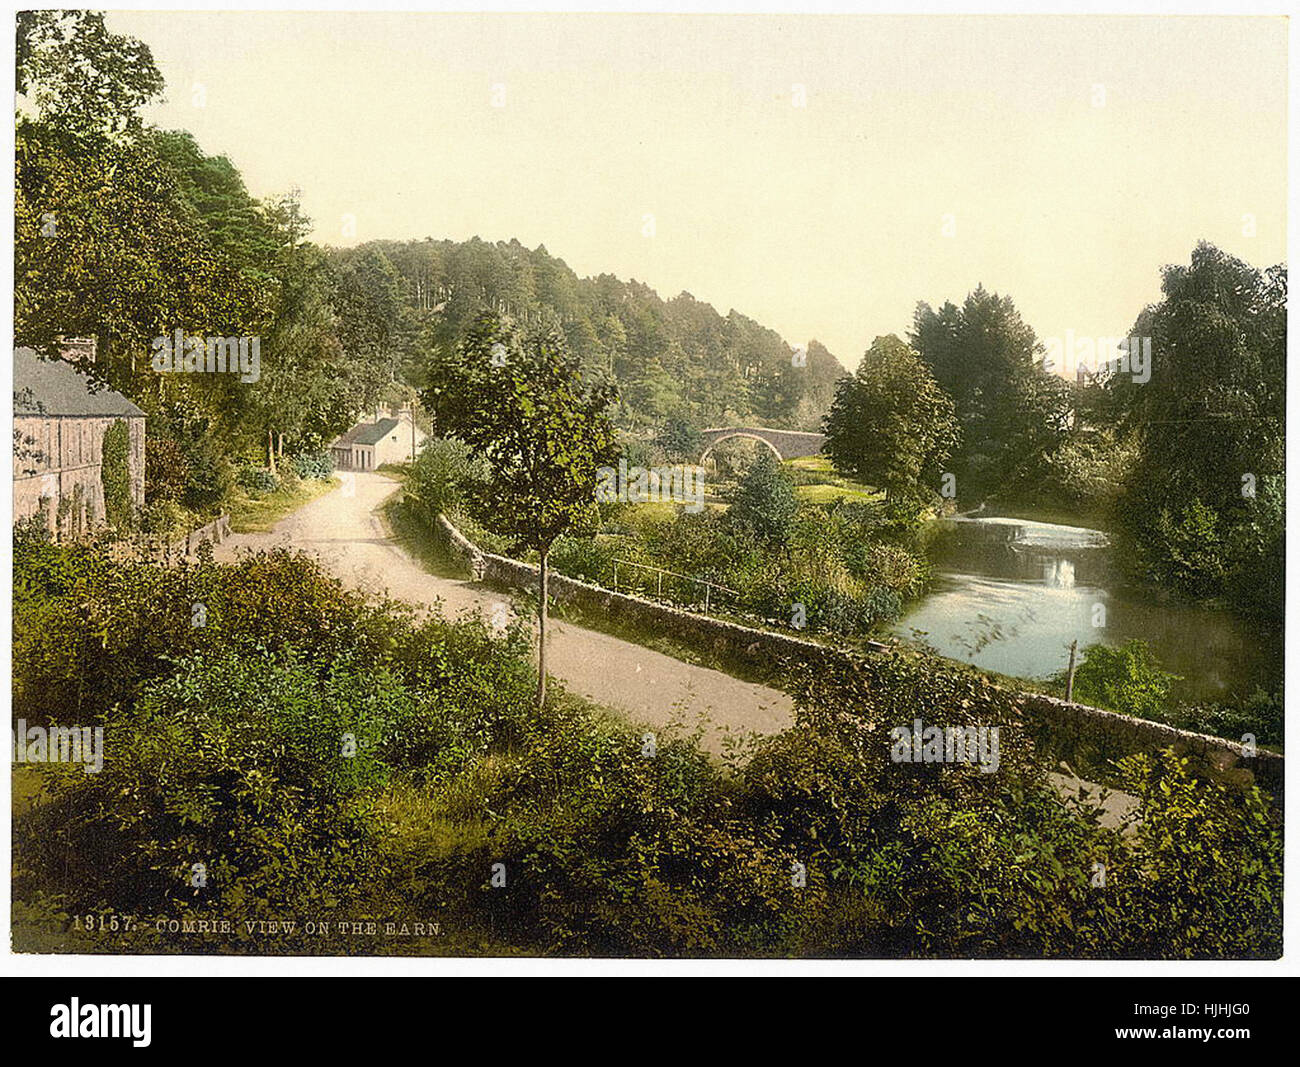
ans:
(346, 531)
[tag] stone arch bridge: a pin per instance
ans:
(785, 444)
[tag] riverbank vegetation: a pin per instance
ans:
(1130, 680)
(310, 756)
(1173, 443)
(840, 569)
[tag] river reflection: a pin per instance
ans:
(1010, 595)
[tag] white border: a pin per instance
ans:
(315, 966)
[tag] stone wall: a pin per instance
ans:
(1070, 723)
(1113, 735)
(719, 635)
(213, 532)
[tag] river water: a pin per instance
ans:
(1010, 595)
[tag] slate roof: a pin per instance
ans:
(367, 433)
(56, 387)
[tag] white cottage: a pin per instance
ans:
(383, 438)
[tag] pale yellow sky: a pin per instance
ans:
(822, 221)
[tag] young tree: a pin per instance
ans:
(890, 424)
(765, 500)
(518, 399)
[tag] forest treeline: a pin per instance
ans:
(127, 233)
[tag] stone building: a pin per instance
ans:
(383, 438)
(60, 420)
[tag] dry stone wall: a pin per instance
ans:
(1102, 730)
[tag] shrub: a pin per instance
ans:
(894, 569)
(90, 631)
(1205, 878)
(313, 465)
(592, 558)
(764, 502)
(444, 477)
(166, 519)
(1126, 679)
(240, 764)
(1261, 715)
(115, 475)
(258, 480)
(35, 529)
(203, 460)
(166, 470)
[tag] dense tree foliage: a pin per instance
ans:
(79, 76)
(669, 358)
(1204, 503)
(1010, 410)
(891, 425)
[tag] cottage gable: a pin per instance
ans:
(60, 419)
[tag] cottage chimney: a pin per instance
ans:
(77, 349)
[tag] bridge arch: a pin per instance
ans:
(785, 444)
(708, 451)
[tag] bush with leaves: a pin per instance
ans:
(1127, 679)
(166, 470)
(258, 480)
(941, 860)
(764, 501)
(115, 475)
(167, 520)
(252, 766)
(1204, 878)
(444, 478)
(89, 631)
(313, 465)
(1261, 715)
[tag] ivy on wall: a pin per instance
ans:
(115, 474)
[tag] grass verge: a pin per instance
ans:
(249, 514)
